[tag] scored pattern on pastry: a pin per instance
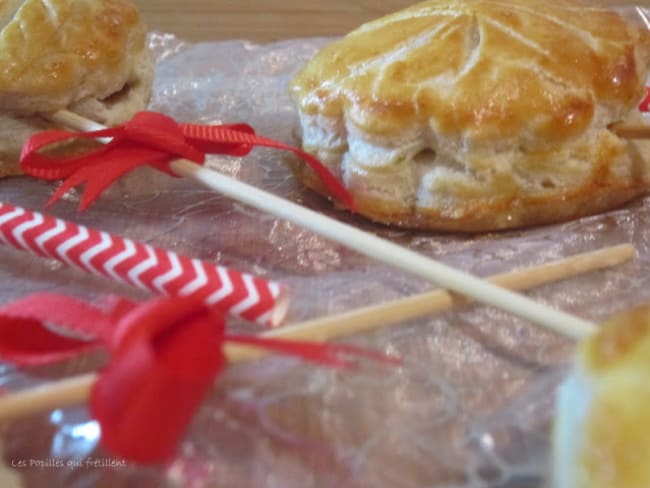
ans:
(448, 113)
(479, 22)
(141, 265)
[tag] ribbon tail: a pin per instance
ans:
(337, 355)
(146, 398)
(95, 181)
(644, 106)
(71, 182)
(102, 173)
(331, 182)
(238, 139)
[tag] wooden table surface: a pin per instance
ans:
(269, 20)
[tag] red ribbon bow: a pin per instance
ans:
(152, 139)
(165, 355)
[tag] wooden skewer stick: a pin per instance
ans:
(75, 390)
(369, 244)
(394, 311)
(630, 131)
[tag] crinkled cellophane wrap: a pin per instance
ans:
(472, 404)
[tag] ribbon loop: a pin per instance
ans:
(230, 139)
(26, 339)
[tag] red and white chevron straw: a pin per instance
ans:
(149, 268)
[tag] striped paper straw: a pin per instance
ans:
(147, 267)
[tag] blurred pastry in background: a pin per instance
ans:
(87, 56)
(602, 427)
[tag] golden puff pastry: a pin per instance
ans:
(87, 56)
(602, 428)
(476, 115)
